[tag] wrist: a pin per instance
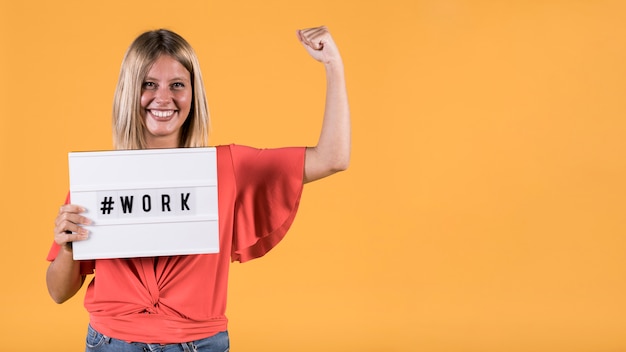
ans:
(67, 248)
(334, 67)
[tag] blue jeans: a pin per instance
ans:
(96, 342)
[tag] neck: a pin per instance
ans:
(160, 143)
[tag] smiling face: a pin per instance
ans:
(166, 98)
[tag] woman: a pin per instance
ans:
(178, 303)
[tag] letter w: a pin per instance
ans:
(127, 204)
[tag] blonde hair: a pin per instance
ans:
(128, 126)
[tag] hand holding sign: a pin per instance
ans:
(68, 227)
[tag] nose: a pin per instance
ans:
(163, 95)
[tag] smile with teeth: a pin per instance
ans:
(162, 113)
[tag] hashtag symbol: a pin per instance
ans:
(107, 205)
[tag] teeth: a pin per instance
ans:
(158, 113)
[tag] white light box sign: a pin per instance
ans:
(145, 203)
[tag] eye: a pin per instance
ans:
(149, 85)
(178, 85)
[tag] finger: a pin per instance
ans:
(314, 41)
(73, 218)
(314, 37)
(71, 208)
(65, 238)
(307, 32)
(70, 212)
(70, 228)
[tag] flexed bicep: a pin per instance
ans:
(332, 152)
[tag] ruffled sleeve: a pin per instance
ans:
(269, 185)
(86, 266)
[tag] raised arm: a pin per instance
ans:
(332, 152)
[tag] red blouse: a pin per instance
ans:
(183, 298)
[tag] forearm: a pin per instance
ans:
(335, 135)
(332, 152)
(63, 277)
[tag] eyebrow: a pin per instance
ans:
(148, 78)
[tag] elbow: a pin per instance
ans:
(57, 298)
(323, 163)
(340, 163)
(60, 297)
(60, 290)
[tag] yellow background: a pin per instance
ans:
(484, 209)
